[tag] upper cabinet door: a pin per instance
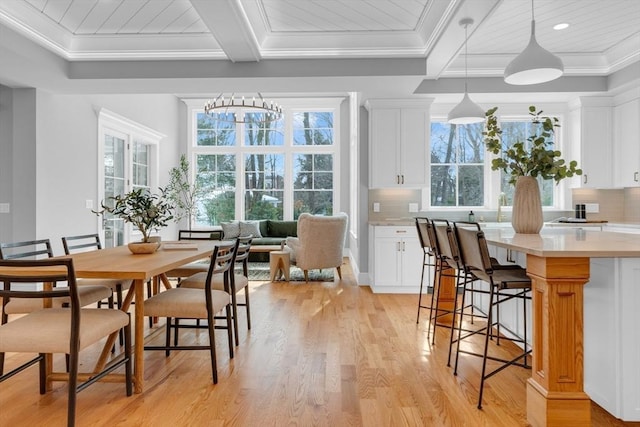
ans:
(398, 135)
(596, 146)
(627, 143)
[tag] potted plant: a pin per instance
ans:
(182, 192)
(145, 211)
(525, 161)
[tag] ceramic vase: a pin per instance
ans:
(137, 248)
(527, 206)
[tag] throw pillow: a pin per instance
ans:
(250, 228)
(231, 230)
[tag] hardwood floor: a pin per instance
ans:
(319, 354)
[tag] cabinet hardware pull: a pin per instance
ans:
(397, 179)
(403, 179)
(635, 176)
(584, 180)
(401, 231)
(403, 246)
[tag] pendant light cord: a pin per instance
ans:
(466, 50)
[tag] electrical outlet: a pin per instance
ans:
(413, 207)
(5, 208)
(88, 204)
(376, 207)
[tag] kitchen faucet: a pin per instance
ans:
(502, 200)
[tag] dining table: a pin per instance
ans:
(119, 263)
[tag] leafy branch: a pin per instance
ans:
(182, 192)
(535, 157)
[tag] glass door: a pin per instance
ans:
(114, 184)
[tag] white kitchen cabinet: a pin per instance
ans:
(398, 140)
(611, 336)
(397, 260)
(627, 142)
(592, 125)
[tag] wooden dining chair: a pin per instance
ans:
(66, 330)
(238, 281)
(194, 303)
(192, 268)
(84, 242)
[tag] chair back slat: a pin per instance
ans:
(27, 249)
(36, 272)
(423, 225)
(84, 241)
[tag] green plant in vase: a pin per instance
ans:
(524, 162)
(146, 211)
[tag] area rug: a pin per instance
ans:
(259, 271)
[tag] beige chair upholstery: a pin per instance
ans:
(319, 244)
(193, 303)
(237, 282)
(57, 330)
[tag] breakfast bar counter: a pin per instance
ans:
(585, 338)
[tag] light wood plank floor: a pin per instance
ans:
(319, 354)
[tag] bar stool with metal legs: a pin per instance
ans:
(428, 262)
(505, 284)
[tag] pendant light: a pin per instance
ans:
(535, 64)
(466, 111)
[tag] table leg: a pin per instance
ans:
(555, 391)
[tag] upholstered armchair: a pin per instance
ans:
(319, 244)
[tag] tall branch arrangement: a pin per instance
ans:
(533, 157)
(182, 192)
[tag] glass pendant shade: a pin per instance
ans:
(534, 65)
(466, 112)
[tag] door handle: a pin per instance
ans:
(584, 178)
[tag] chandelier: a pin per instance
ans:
(224, 109)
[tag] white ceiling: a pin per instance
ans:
(261, 38)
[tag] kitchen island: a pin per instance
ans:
(585, 338)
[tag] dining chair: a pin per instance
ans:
(79, 243)
(41, 249)
(505, 284)
(238, 281)
(58, 329)
(192, 268)
(194, 303)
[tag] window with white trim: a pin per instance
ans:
(257, 170)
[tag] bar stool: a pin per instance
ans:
(428, 261)
(505, 284)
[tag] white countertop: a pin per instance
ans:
(568, 242)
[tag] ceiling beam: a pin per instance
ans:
(450, 41)
(228, 22)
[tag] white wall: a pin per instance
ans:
(66, 155)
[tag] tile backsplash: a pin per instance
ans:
(618, 204)
(614, 205)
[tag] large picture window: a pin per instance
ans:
(266, 170)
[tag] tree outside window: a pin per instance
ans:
(217, 178)
(457, 164)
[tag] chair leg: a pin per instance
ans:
(234, 308)
(486, 343)
(128, 367)
(119, 305)
(73, 387)
(306, 276)
(246, 303)
(421, 286)
(229, 331)
(43, 373)
(339, 272)
(455, 312)
(212, 344)
(176, 332)
(167, 350)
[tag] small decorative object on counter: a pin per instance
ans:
(472, 217)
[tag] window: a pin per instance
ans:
(128, 156)
(461, 174)
(257, 170)
(457, 164)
